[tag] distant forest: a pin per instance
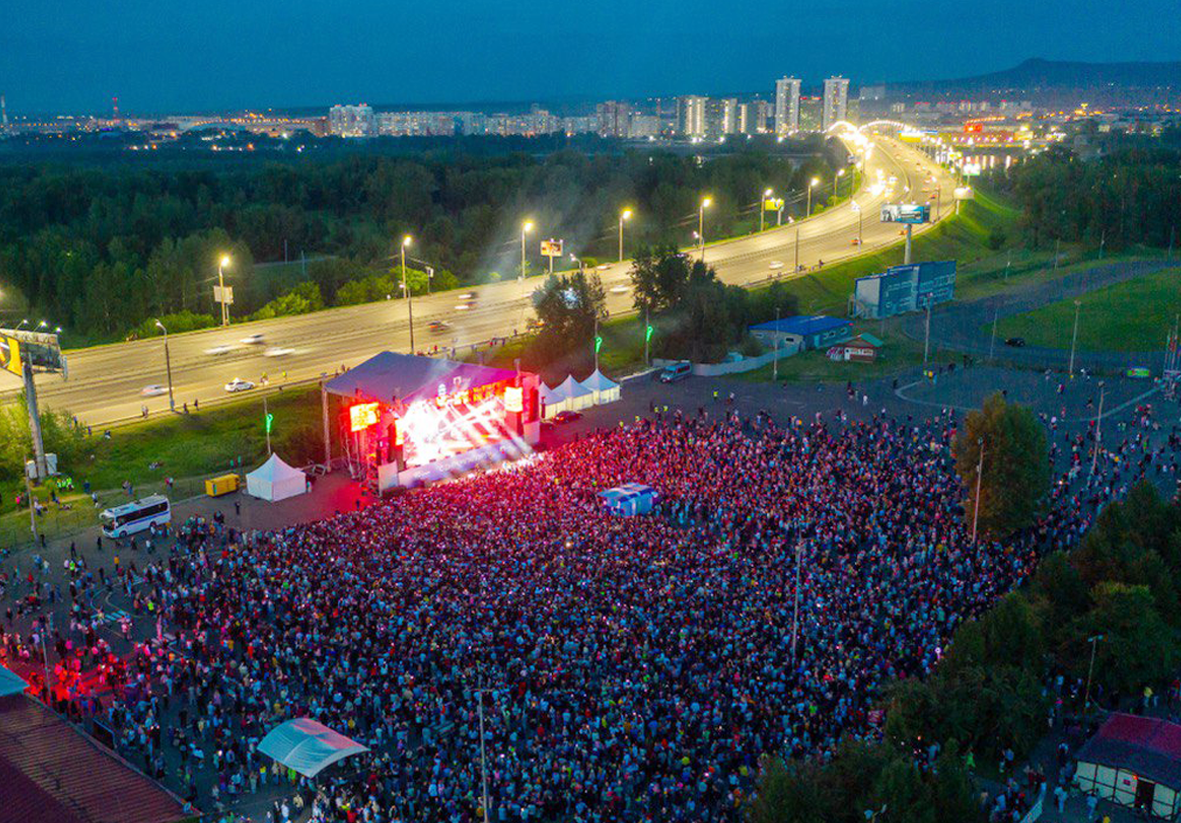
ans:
(100, 247)
(1129, 196)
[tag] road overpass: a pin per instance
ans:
(105, 382)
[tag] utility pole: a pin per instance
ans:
(909, 229)
(406, 291)
(1074, 337)
(775, 362)
(483, 758)
(1091, 669)
(992, 343)
(167, 365)
(979, 476)
(797, 268)
(927, 335)
(1098, 428)
(795, 621)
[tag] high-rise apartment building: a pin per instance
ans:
(613, 118)
(691, 116)
(753, 116)
(836, 101)
(721, 116)
(352, 121)
(787, 105)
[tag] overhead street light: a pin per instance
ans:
(706, 202)
(167, 365)
(221, 285)
(624, 216)
(763, 205)
(406, 241)
(813, 183)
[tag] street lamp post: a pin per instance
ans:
(763, 206)
(1093, 640)
(526, 227)
(835, 179)
(927, 334)
(406, 241)
(167, 365)
(775, 362)
(979, 475)
(1074, 337)
(705, 204)
(813, 183)
(1098, 428)
(221, 285)
(623, 216)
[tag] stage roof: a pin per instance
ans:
(407, 377)
(307, 746)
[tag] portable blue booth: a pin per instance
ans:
(629, 499)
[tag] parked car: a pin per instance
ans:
(675, 372)
(1015, 342)
(567, 416)
(238, 384)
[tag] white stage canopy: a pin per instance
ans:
(575, 395)
(307, 746)
(601, 387)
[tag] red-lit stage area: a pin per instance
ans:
(406, 420)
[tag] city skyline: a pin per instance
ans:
(218, 57)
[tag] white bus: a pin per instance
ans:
(136, 516)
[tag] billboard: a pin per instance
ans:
(772, 204)
(42, 350)
(223, 294)
(913, 213)
(362, 416)
(551, 248)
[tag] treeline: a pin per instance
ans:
(99, 249)
(1129, 197)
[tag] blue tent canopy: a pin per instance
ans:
(629, 499)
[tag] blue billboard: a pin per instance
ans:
(900, 289)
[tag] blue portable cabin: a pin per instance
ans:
(629, 499)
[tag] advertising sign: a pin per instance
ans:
(551, 248)
(913, 213)
(42, 350)
(226, 292)
(772, 204)
(514, 399)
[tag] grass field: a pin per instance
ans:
(187, 448)
(1131, 316)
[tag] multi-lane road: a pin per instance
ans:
(106, 383)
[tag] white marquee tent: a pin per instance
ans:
(275, 480)
(553, 400)
(602, 388)
(575, 395)
(307, 746)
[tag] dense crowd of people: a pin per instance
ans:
(624, 668)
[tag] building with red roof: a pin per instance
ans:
(1134, 761)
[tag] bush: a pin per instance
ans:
(303, 299)
(996, 239)
(175, 323)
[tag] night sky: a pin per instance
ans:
(73, 55)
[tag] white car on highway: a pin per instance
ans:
(277, 351)
(224, 348)
(619, 289)
(776, 264)
(238, 384)
(256, 339)
(154, 390)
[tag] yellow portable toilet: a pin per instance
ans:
(217, 486)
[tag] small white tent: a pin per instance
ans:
(601, 387)
(553, 400)
(576, 396)
(275, 480)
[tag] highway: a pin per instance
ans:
(105, 383)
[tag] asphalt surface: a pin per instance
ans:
(105, 383)
(966, 327)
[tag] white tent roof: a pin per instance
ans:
(307, 746)
(572, 388)
(11, 682)
(597, 381)
(550, 396)
(275, 470)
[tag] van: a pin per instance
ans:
(675, 372)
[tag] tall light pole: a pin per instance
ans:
(775, 362)
(221, 285)
(706, 202)
(1098, 428)
(927, 335)
(167, 365)
(835, 179)
(1074, 337)
(406, 241)
(623, 216)
(813, 183)
(763, 206)
(1093, 640)
(526, 227)
(979, 475)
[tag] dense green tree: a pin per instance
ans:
(1016, 476)
(568, 306)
